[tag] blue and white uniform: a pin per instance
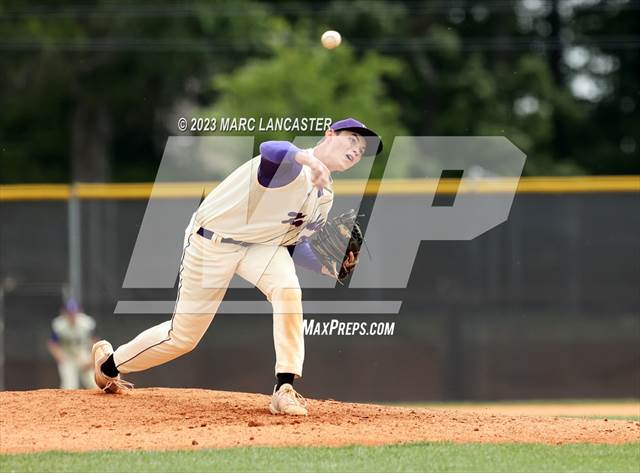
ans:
(73, 334)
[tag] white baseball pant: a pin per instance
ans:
(74, 373)
(206, 270)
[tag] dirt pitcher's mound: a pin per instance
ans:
(159, 419)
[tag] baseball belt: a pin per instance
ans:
(208, 234)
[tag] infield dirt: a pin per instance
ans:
(167, 419)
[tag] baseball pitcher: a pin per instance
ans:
(270, 214)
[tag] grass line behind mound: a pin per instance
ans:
(187, 419)
(621, 408)
(413, 457)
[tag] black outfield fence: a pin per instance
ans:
(546, 305)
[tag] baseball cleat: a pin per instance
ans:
(100, 352)
(287, 401)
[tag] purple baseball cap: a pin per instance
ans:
(351, 124)
(72, 306)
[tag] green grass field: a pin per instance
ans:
(632, 418)
(634, 404)
(437, 457)
(511, 402)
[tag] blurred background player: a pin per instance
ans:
(70, 345)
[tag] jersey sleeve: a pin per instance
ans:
(278, 166)
(304, 256)
(54, 336)
(88, 323)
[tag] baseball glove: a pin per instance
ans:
(337, 244)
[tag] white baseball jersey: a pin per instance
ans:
(242, 209)
(269, 216)
(74, 338)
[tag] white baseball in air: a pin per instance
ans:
(331, 39)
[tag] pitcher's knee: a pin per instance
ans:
(286, 295)
(186, 343)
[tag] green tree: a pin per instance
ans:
(89, 90)
(302, 79)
